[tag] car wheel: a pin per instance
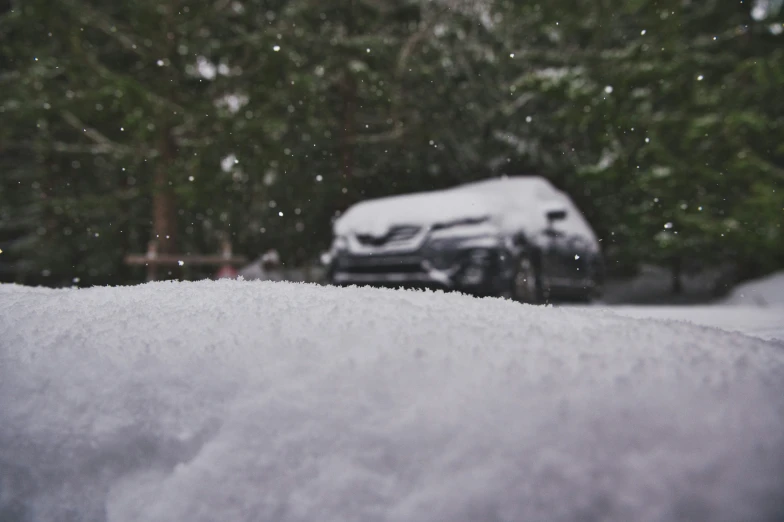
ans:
(594, 292)
(585, 297)
(525, 285)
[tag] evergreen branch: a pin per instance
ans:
(62, 147)
(383, 137)
(89, 16)
(151, 96)
(413, 41)
(220, 5)
(90, 132)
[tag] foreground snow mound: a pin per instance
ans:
(767, 291)
(279, 402)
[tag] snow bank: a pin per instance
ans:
(765, 323)
(260, 401)
(767, 291)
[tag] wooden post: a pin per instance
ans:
(152, 256)
(677, 275)
(154, 259)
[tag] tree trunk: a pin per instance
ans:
(348, 90)
(164, 201)
(164, 206)
(677, 269)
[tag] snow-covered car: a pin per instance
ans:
(516, 237)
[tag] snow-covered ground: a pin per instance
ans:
(765, 323)
(755, 308)
(765, 292)
(260, 401)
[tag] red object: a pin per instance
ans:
(226, 272)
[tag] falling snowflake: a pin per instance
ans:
(206, 68)
(228, 162)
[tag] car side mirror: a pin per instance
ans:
(556, 215)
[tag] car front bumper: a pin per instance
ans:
(473, 271)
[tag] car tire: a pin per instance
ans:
(526, 284)
(586, 297)
(595, 291)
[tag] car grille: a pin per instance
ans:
(396, 235)
(381, 264)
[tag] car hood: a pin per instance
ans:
(377, 216)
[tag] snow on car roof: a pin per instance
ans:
(528, 186)
(422, 208)
(519, 190)
(533, 193)
(258, 401)
(482, 198)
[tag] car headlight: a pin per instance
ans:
(443, 253)
(479, 256)
(441, 245)
(465, 243)
(339, 243)
(448, 253)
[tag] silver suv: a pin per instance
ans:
(515, 237)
